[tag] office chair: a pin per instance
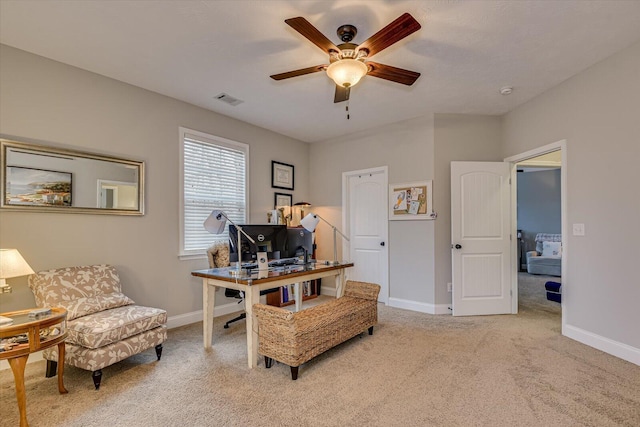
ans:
(218, 255)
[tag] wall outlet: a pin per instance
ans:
(449, 288)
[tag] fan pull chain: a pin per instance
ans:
(347, 110)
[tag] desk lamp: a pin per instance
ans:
(310, 222)
(215, 224)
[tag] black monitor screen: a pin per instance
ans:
(299, 240)
(269, 238)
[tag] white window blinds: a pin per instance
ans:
(214, 177)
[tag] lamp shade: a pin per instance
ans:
(215, 222)
(347, 72)
(12, 264)
(310, 222)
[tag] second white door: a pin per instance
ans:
(366, 220)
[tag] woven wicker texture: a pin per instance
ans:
(294, 338)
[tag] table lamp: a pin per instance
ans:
(310, 222)
(12, 265)
(215, 224)
(302, 205)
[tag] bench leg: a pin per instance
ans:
(371, 330)
(294, 373)
(267, 362)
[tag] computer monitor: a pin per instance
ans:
(299, 243)
(269, 238)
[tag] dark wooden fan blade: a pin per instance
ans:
(342, 94)
(394, 74)
(305, 28)
(392, 33)
(300, 72)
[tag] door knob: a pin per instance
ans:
(458, 246)
(381, 243)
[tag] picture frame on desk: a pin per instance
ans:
(283, 200)
(282, 175)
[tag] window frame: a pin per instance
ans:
(214, 140)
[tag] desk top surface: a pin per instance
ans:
(254, 277)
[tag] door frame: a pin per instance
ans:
(346, 214)
(513, 160)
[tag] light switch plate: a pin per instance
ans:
(578, 229)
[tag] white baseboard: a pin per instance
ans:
(614, 348)
(420, 307)
(328, 291)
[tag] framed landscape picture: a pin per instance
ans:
(411, 201)
(37, 187)
(281, 175)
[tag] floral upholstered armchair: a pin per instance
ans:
(104, 326)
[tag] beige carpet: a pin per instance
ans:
(416, 370)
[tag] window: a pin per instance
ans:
(214, 175)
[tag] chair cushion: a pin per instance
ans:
(52, 288)
(84, 306)
(94, 359)
(551, 249)
(109, 326)
(546, 237)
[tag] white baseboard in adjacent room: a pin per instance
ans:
(614, 348)
(419, 306)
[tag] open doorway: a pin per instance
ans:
(539, 223)
(539, 213)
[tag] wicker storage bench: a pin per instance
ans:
(295, 338)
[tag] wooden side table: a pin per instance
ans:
(27, 335)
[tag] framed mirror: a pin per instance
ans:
(38, 178)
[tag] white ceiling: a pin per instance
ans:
(194, 50)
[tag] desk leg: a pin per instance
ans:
(208, 302)
(61, 350)
(340, 284)
(299, 297)
(252, 296)
(17, 366)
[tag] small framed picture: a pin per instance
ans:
(281, 175)
(283, 201)
(411, 201)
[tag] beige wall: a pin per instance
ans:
(598, 113)
(457, 137)
(56, 104)
(407, 149)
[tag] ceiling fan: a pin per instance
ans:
(348, 62)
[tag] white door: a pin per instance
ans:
(366, 222)
(480, 238)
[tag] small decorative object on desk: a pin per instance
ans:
(5, 321)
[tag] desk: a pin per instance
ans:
(27, 335)
(251, 285)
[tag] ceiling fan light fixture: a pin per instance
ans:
(347, 72)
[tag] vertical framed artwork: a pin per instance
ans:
(282, 175)
(411, 201)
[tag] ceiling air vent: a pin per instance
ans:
(228, 99)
